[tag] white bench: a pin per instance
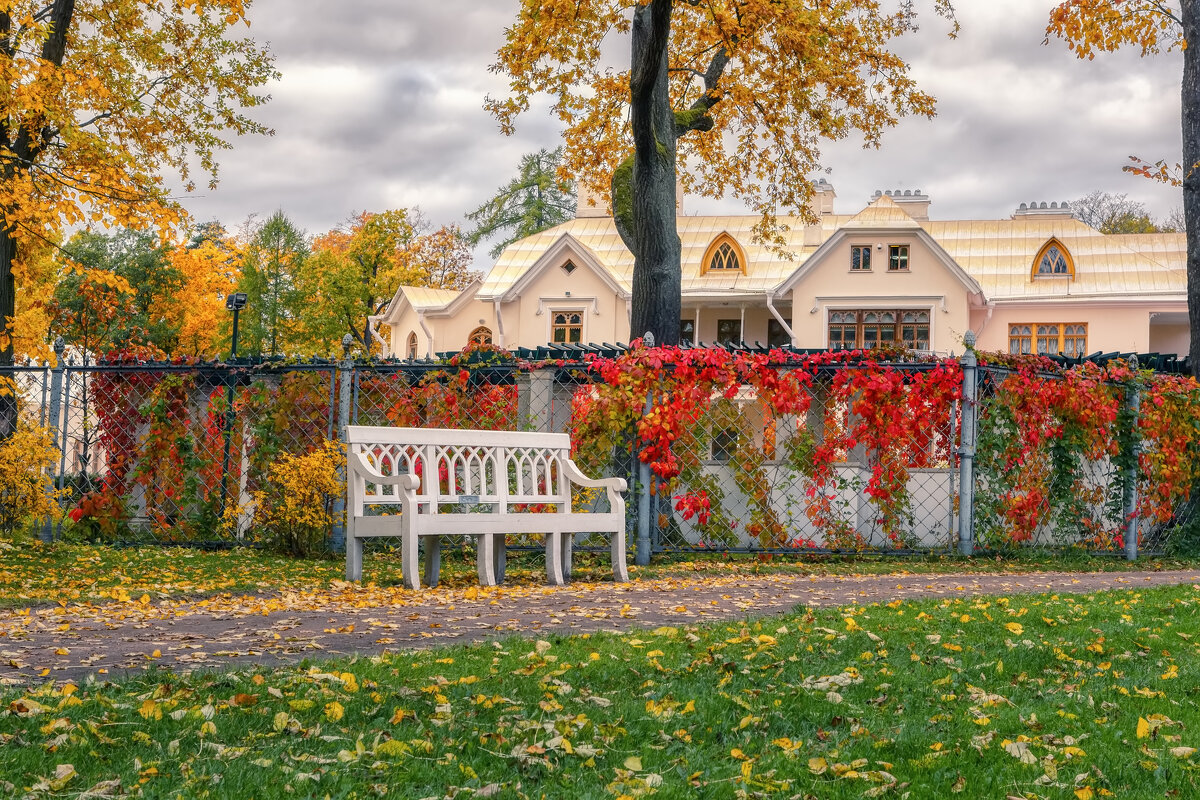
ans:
(485, 484)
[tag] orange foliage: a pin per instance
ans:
(755, 85)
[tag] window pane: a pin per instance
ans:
(687, 331)
(860, 257)
(897, 257)
(725, 257)
(776, 336)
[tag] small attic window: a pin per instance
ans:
(568, 266)
(1053, 260)
(724, 255)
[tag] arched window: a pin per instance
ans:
(412, 345)
(481, 335)
(723, 256)
(1053, 260)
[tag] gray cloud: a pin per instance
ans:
(380, 106)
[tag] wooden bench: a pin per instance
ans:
(485, 484)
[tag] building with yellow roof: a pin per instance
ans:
(1039, 281)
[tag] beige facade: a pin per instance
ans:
(1040, 280)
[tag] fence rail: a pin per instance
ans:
(185, 453)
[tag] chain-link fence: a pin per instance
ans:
(865, 455)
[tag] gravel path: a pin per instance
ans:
(71, 643)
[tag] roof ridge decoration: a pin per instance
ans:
(723, 256)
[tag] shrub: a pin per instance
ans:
(294, 510)
(26, 458)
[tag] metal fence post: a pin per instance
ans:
(52, 422)
(345, 379)
(1133, 399)
(642, 552)
(966, 451)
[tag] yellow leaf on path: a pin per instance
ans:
(334, 711)
(633, 763)
(156, 654)
(62, 651)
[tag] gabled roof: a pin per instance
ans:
(425, 300)
(885, 217)
(565, 247)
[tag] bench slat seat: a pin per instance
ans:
(485, 484)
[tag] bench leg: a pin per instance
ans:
(500, 559)
(408, 561)
(568, 545)
(433, 560)
(485, 558)
(554, 573)
(620, 570)
(354, 554)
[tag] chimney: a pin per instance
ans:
(1061, 210)
(913, 201)
(821, 205)
(823, 195)
(584, 208)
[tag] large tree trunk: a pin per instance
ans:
(645, 206)
(1190, 106)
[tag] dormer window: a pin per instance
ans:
(724, 256)
(1053, 261)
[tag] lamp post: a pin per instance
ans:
(235, 303)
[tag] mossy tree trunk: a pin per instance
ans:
(643, 187)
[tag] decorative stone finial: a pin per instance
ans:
(1133, 362)
(347, 343)
(648, 339)
(59, 345)
(969, 339)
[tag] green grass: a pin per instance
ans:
(33, 574)
(1035, 696)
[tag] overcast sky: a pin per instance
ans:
(380, 106)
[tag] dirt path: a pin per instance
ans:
(71, 643)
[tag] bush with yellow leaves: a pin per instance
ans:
(26, 458)
(294, 511)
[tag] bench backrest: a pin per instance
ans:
(457, 466)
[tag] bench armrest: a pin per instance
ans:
(404, 481)
(576, 476)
